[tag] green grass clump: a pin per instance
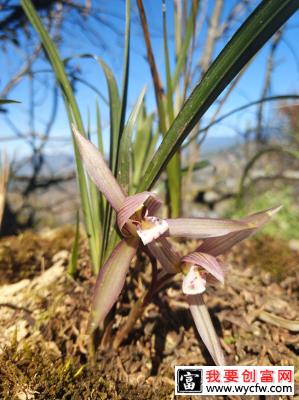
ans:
(285, 223)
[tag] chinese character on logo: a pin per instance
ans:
(189, 380)
(285, 375)
(230, 375)
(249, 376)
(213, 376)
(266, 375)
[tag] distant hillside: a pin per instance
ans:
(214, 144)
(63, 163)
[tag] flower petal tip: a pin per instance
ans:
(274, 210)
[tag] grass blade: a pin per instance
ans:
(173, 168)
(102, 200)
(4, 176)
(124, 96)
(72, 267)
(114, 108)
(182, 56)
(126, 144)
(197, 166)
(141, 146)
(6, 101)
(124, 170)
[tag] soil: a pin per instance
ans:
(44, 314)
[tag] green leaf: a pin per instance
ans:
(196, 167)
(169, 91)
(102, 199)
(154, 137)
(126, 144)
(141, 146)
(124, 96)
(182, 56)
(269, 16)
(114, 108)
(174, 167)
(95, 209)
(6, 101)
(72, 267)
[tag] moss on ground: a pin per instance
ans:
(27, 373)
(272, 255)
(29, 253)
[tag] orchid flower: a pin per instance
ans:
(138, 224)
(201, 267)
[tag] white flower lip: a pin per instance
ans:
(194, 282)
(155, 227)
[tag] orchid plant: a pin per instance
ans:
(140, 227)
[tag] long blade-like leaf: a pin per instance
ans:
(6, 101)
(114, 108)
(126, 144)
(269, 16)
(102, 199)
(174, 167)
(142, 148)
(182, 56)
(125, 82)
(4, 175)
(72, 266)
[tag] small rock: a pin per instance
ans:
(61, 257)
(266, 278)
(211, 196)
(27, 394)
(294, 244)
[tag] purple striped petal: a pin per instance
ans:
(207, 262)
(98, 171)
(133, 203)
(201, 228)
(205, 328)
(219, 245)
(111, 279)
(162, 250)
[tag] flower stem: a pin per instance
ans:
(139, 306)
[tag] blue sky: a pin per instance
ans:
(284, 81)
